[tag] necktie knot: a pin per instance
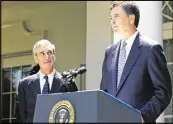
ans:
(124, 43)
(46, 77)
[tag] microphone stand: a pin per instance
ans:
(69, 79)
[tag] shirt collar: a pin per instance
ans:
(49, 75)
(131, 39)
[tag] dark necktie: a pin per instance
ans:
(46, 86)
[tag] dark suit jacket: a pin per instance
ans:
(145, 83)
(28, 90)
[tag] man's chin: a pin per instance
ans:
(48, 67)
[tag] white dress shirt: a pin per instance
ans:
(50, 79)
(129, 44)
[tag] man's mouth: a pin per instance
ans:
(47, 62)
(115, 26)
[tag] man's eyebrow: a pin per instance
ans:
(42, 52)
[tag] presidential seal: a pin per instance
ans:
(62, 112)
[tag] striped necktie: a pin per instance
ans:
(121, 61)
(46, 86)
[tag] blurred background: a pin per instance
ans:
(80, 30)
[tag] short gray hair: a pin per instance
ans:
(42, 43)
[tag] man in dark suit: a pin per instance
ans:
(47, 80)
(135, 69)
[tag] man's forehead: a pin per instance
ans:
(117, 10)
(44, 48)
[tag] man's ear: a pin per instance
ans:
(54, 57)
(132, 19)
(35, 58)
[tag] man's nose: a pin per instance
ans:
(113, 21)
(46, 55)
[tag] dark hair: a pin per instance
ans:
(129, 8)
(34, 69)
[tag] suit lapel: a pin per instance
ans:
(133, 56)
(114, 67)
(55, 84)
(35, 85)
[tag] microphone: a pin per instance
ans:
(74, 72)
